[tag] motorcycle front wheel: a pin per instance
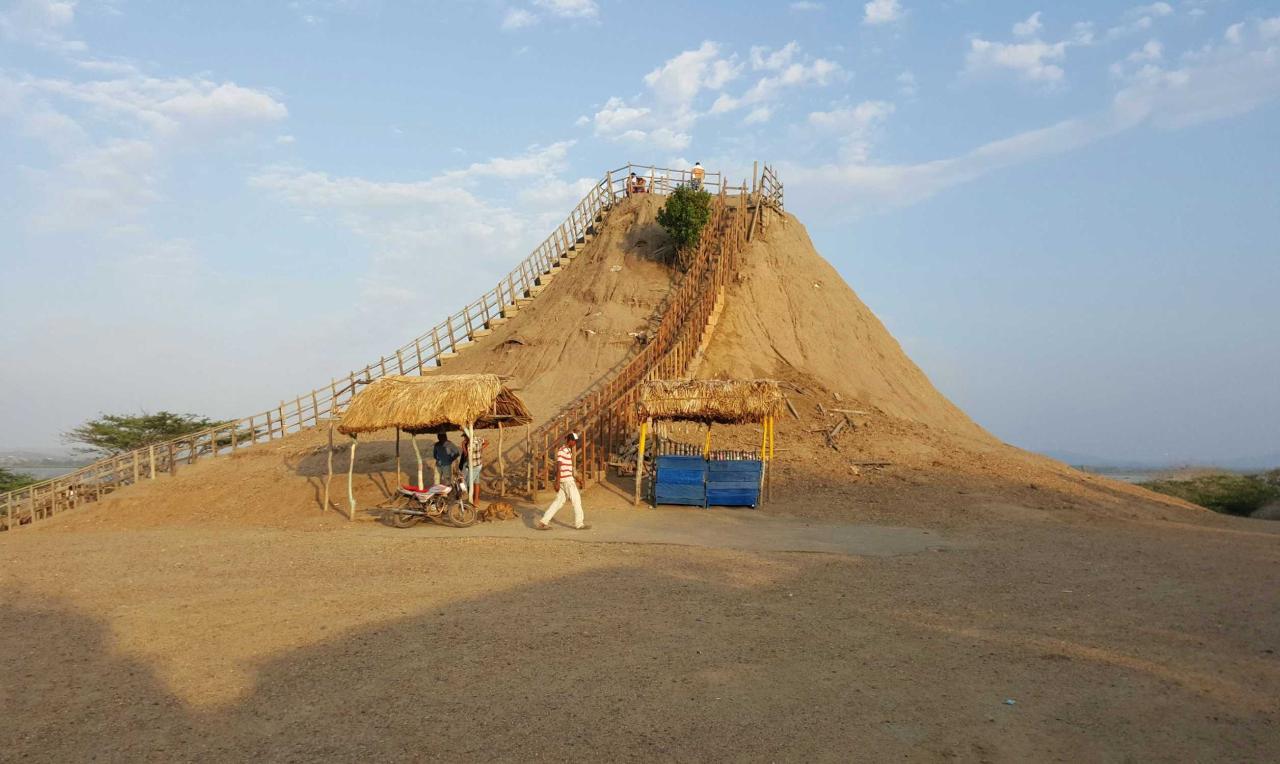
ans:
(462, 514)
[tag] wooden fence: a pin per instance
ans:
(443, 341)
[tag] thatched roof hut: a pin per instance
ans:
(434, 404)
(720, 401)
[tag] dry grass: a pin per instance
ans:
(433, 404)
(722, 401)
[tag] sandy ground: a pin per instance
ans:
(1130, 641)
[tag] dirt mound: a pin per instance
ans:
(792, 315)
(866, 436)
(593, 316)
(866, 432)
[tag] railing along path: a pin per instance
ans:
(431, 348)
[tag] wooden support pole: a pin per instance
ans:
(137, 467)
(351, 469)
(706, 447)
(502, 465)
(399, 475)
(328, 477)
(151, 462)
(528, 458)
(644, 430)
(417, 453)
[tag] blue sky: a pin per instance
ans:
(1069, 216)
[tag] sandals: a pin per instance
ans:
(582, 528)
(541, 526)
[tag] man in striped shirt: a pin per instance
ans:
(568, 487)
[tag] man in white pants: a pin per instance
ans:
(568, 487)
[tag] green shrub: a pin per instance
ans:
(12, 481)
(1229, 494)
(685, 213)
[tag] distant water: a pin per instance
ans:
(44, 473)
(1127, 476)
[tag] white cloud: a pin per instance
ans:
(907, 86)
(773, 60)
(1029, 28)
(758, 115)
(854, 127)
(518, 18)
(1033, 61)
(678, 81)
(1234, 33)
(785, 74)
(879, 12)
(1140, 19)
(1269, 29)
(408, 223)
(1155, 10)
(108, 139)
(537, 161)
(41, 23)
(570, 9)
(1216, 83)
(806, 5)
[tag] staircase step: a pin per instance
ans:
(498, 320)
(482, 332)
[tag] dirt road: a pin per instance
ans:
(1151, 642)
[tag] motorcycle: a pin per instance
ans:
(449, 504)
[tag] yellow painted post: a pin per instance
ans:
(706, 447)
(644, 430)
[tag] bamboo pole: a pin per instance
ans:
(413, 439)
(351, 469)
(502, 465)
(528, 458)
(328, 478)
(151, 461)
(706, 447)
(644, 430)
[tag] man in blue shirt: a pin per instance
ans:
(446, 452)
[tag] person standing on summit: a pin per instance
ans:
(568, 488)
(698, 174)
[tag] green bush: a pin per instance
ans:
(12, 481)
(1229, 494)
(683, 216)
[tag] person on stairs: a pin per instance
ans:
(698, 174)
(568, 488)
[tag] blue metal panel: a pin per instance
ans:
(680, 480)
(734, 483)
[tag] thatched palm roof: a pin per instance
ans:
(433, 404)
(723, 401)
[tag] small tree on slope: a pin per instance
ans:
(684, 215)
(116, 433)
